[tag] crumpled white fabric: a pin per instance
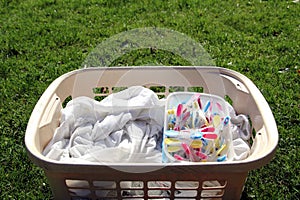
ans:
(124, 127)
(240, 128)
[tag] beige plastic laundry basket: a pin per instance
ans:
(94, 180)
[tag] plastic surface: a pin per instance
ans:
(231, 175)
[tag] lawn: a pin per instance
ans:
(43, 39)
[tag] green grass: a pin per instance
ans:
(41, 40)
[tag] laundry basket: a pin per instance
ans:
(97, 178)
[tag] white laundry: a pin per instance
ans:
(127, 125)
(240, 128)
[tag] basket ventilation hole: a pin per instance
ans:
(213, 189)
(80, 198)
(228, 99)
(132, 188)
(105, 189)
(176, 89)
(252, 138)
(65, 102)
(78, 189)
(71, 183)
(118, 89)
(159, 90)
(199, 89)
(100, 93)
(159, 189)
(187, 188)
